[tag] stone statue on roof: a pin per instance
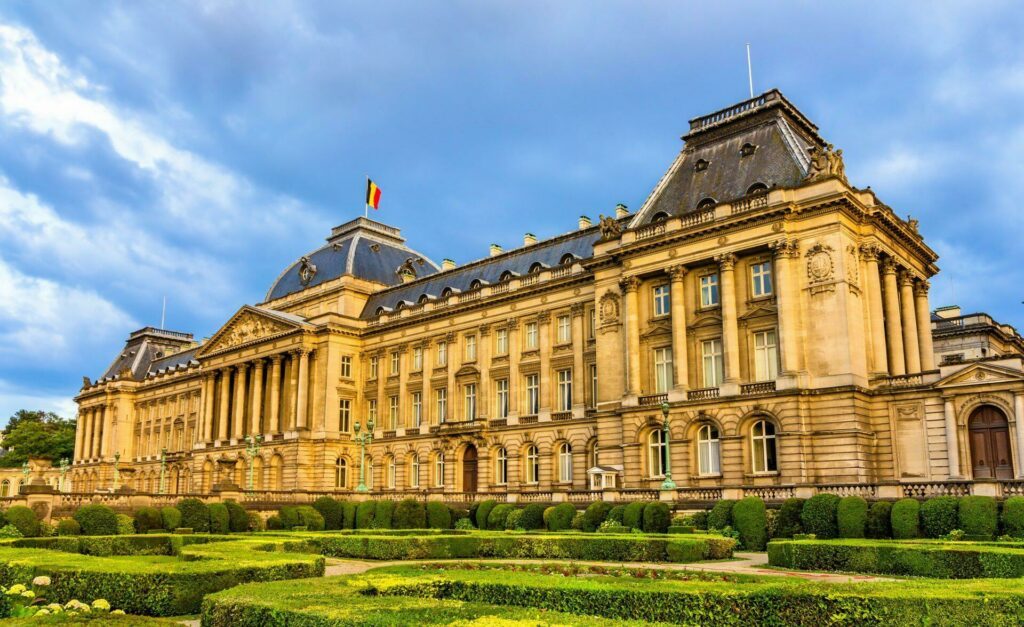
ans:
(610, 228)
(826, 163)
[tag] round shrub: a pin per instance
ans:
(170, 518)
(595, 514)
(633, 515)
(195, 515)
(1013, 516)
(656, 517)
(577, 522)
(350, 508)
(905, 519)
(364, 514)
(720, 515)
(483, 512)
(789, 518)
(95, 520)
(332, 511)
(255, 522)
(472, 511)
(852, 517)
(751, 521)
(409, 514)
(3, 519)
(220, 519)
(238, 518)
(561, 517)
(125, 525)
(289, 515)
(615, 514)
(274, 523)
(939, 516)
(68, 527)
(819, 516)
(147, 518)
(310, 518)
(513, 518)
(979, 517)
(458, 513)
(879, 524)
(383, 517)
(496, 519)
(438, 515)
(24, 519)
(533, 517)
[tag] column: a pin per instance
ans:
(911, 346)
(257, 396)
(211, 390)
(427, 408)
(225, 403)
(514, 352)
(681, 377)
(544, 336)
(404, 404)
(876, 319)
(730, 328)
(924, 325)
(786, 296)
(273, 421)
(629, 286)
(483, 353)
(87, 437)
(301, 396)
(952, 448)
(241, 385)
(578, 342)
(79, 434)
(893, 328)
(1018, 409)
(100, 431)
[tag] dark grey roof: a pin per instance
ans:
(361, 248)
(144, 348)
(172, 362)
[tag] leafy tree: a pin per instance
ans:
(37, 434)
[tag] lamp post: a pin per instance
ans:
(667, 484)
(252, 447)
(25, 470)
(63, 471)
(362, 440)
(163, 470)
(117, 473)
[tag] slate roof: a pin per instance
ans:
(149, 346)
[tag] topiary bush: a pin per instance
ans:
(595, 514)
(383, 517)
(310, 518)
(24, 519)
(751, 521)
(656, 517)
(170, 518)
(289, 516)
(238, 518)
(496, 519)
(483, 512)
(512, 520)
(533, 517)
(438, 515)
(95, 520)
(147, 518)
(125, 525)
(364, 514)
(274, 523)
(789, 518)
(561, 517)
(68, 527)
(1013, 516)
(409, 514)
(615, 514)
(979, 517)
(939, 516)
(350, 508)
(220, 519)
(195, 515)
(255, 522)
(819, 516)
(633, 515)
(905, 519)
(879, 525)
(577, 521)
(472, 512)
(720, 515)
(852, 517)
(332, 510)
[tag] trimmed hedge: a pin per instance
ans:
(95, 520)
(220, 519)
(170, 518)
(496, 519)
(657, 517)
(409, 514)
(383, 517)
(905, 519)
(310, 518)
(633, 514)
(595, 514)
(349, 507)
(238, 518)
(720, 515)
(438, 515)
(561, 517)
(852, 517)
(125, 525)
(533, 517)
(195, 515)
(364, 514)
(147, 518)
(879, 523)
(979, 516)
(68, 527)
(1013, 516)
(750, 520)
(939, 516)
(819, 516)
(332, 510)
(789, 518)
(615, 514)
(483, 512)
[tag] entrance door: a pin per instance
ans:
(990, 444)
(469, 469)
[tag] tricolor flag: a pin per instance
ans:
(372, 194)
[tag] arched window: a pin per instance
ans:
(757, 188)
(656, 453)
(439, 470)
(341, 474)
(5, 488)
(475, 284)
(532, 461)
(706, 203)
(389, 468)
(661, 216)
(446, 292)
(567, 259)
(506, 275)
(380, 311)
(565, 463)
(536, 267)
(762, 446)
(414, 471)
(708, 451)
(591, 453)
(501, 466)
(424, 298)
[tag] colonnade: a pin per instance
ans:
(91, 433)
(899, 317)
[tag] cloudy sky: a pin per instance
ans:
(193, 150)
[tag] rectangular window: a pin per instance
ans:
(442, 353)
(662, 370)
(714, 368)
(501, 342)
(395, 361)
(662, 301)
(761, 279)
(346, 366)
(564, 329)
(392, 412)
(417, 359)
(592, 324)
(766, 356)
(374, 364)
(470, 348)
(417, 409)
(565, 390)
(532, 394)
(470, 401)
(344, 415)
(441, 396)
(371, 409)
(530, 336)
(502, 397)
(593, 386)
(709, 290)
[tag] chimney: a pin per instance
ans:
(621, 211)
(495, 250)
(529, 239)
(447, 264)
(947, 312)
(584, 222)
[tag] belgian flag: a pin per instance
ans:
(372, 194)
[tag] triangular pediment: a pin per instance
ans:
(760, 311)
(979, 373)
(250, 325)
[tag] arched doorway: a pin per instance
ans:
(990, 444)
(469, 468)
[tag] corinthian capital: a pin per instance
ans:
(888, 266)
(726, 261)
(785, 248)
(921, 288)
(676, 273)
(869, 252)
(629, 284)
(906, 278)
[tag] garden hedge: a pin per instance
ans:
(819, 515)
(170, 518)
(383, 516)
(24, 519)
(238, 518)
(879, 523)
(615, 514)
(1013, 516)
(905, 519)
(220, 519)
(195, 515)
(633, 515)
(979, 517)
(595, 514)
(939, 516)
(512, 520)
(68, 527)
(720, 515)
(852, 517)
(332, 510)
(364, 514)
(561, 517)
(147, 518)
(496, 519)
(483, 512)
(409, 514)
(438, 515)
(750, 520)
(533, 517)
(349, 508)
(310, 518)
(95, 520)
(657, 517)
(789, 518)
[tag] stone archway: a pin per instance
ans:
(469, 469)
(989, 435)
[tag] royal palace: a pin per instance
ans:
(758, 326)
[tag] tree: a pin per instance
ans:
(37, 434)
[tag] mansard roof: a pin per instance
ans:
(144, 348)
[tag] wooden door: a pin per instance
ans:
(990, 444)
(469, 468)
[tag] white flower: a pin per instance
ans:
(101, 604)
(41, 580)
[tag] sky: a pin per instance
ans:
(193, 150)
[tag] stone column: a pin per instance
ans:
(301, 397)
(87, 437)
(225, 403)
(924, 325)
(911, 346)
(786, 296)
(1018, 410)
(273, 421)
(893, 328)
(404, 404)
(101, 432)
(681, 377)
(514, 352)
(876, 319)
(79, 434)
(730, 327)
(578, 342)
(257, 397)
(630, 286)
(952, 448)
(483, 355)
(241, 387)
(544, 335)
(211, 390)
(426, 403)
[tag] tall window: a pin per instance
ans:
(441, 398)
(592, 324)
(502, 397)
(501, 342)
(762, 447)
(593, 386)
(766, 356)
(761, 279)
(392, 412)
(714, 368)
(565, 390)
(532, 460)
(417, 409)
(708, 451)
(709, 290)
(344, 415)
(371, 409)
(531, 335)
(470, 348)
(656, 451)
(662, 370)
(532, 394)
(442, 353)
(662, 305)
(369, 472)
(417, 359)
(389, 466)
(470, 401)
(565, 463)
(439, 470)
(414, 471)
(374, 365)
(341, 474)
(501, 466)
(346, 366)
(395, 360)
(564, 329)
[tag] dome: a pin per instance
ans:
(361, 248)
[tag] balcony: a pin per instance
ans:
(528, 420)
(702, 394)
(651, 230)
(653, 399)
(761, 387)
(561, 415)
(463, 426)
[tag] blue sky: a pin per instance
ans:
(193, 150)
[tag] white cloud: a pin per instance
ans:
(13, 398)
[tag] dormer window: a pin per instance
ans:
(747, 149)
(567, 259)
(701, 165)
(506, 276)
(661, 216)
(446, 292)
(475, 284)
(707, 203)
(423, 299)
(380, 311)
(536, 267)
(757, 188)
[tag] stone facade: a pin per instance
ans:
(778, 314)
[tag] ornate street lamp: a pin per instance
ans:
(25, 470)
(252, 447)
(64, 463)
(667, 484)
(362, 441)
(163, 470)
(117, 473)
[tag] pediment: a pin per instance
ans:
(249, 325)
(657, 327)
(760, 311)
(467, 371)
(980, 373)
(707, 320)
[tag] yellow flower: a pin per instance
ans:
(16, 589)
(118, 612)
(55, 607)
(42, 612)
(101, 604)
(28, 594)
(41, 580)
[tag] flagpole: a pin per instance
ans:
(366, 205)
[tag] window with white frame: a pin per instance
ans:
(714, 367)
(441, 403)
(532, 462)
(442, 353)
(708, 451)
(662, 300)
(501, 386)
(501, 341)
(469, 396)
(593, 386)
(392, 412)
(417, 409)
(766, 356)
(564, 329)
(663, 370)
(374, 366)
(389, 465)
(565, 462)
(346, 366)
(762, 447)
(371, 409)
(530, 336)
(532, 394)
(417, 359)
(439, 470)
(565, 389)
(395, 361)
(414, 471)
(761, 279)
(656, 451)
(341, 473)
(344, 415)
(501, 466)
(592, 324)
(470, 348)
(709, 290)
